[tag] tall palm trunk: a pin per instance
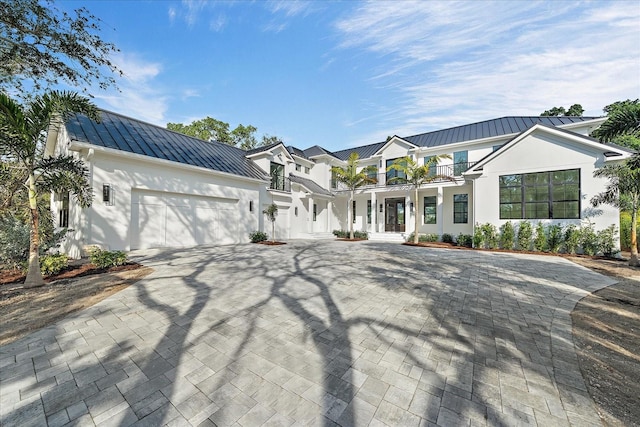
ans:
(34, 275)
(415, 214)
(634, 261)
(349, 217)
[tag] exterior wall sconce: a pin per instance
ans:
(107, 196)
(411, 206)
(250, 205)
(380, 207)
(295, 211)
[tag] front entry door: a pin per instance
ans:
(394, 215)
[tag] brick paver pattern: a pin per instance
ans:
(313, 333)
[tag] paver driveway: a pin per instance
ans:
(314, 333)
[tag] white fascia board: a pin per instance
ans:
(395, 138)
(270, 152)
(77, 146)
(303, 160)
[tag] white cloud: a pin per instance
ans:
(218, 23)
(139, 95)
(449, 63)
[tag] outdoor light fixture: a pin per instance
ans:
(250, 205)
(380, 207)
(295, 211)
(411, 206)
(106, 194)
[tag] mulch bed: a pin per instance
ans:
(270, 243)
(75, 269)
(346, 239)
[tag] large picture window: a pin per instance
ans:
(460, 208)
(540, 195)
(430, 204)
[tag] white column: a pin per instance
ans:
(440, 210)
(310, 217)
(374, 213)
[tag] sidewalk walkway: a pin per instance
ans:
(314, 333)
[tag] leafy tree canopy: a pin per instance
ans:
(41, 46)
(623, 124)
(210, 129)
(574, 110)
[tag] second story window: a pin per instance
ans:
(277, 176)
(432, 168)
(460, 162)
(298, 167)
(334, 181)
(394, 176)
(372, 173)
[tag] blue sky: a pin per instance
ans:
(342, 74)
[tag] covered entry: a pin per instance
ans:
(394, 220)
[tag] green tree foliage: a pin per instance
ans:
(23, 131)
(41, 46)
(574, 110)
(210, 129)
(353, 178)
(622, 125)
(416, 175)
(207, 129)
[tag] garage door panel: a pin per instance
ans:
(206, 226)
(180, 229)
(151, 225)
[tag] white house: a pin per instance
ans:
(158, 188)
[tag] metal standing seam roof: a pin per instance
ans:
(126, 134)
(316, 150)
(470, 132)
(310, 185)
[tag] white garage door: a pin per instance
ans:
(282, 225)
(179, 220)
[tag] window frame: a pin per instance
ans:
(526, 187)
(433, 205)
(461, 208)
(63, 212)
(394, 173)
(353, 212)
(277, 179)
(459, 166)
(369, 209)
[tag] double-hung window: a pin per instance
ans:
(430, 204)
(460, 208)
(540, 195)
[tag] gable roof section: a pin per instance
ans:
(122, 133)
(296, 151)
(316, 150)
(609, 150)
(363, 152)
(310, 185)
(489, 129)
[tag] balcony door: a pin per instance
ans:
(394, 220)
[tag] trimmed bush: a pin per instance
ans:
(607, 241)
(257, 236)
(490, 233)
(588, 239)
(507, 235)
(525, 233)
(555, 238)
(540, 241)
(465, 240)
(431, 237)
(447, 238)
(53, 264)
(106, 259)
(478, 237)
(571, 239)
(341, 234)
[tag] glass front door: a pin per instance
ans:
(394, 215)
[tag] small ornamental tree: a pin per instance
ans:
(272, 212)
(353, 179)
(417, 175)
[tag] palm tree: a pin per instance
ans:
(417, 175)
(623, 121)
(23, 132)
(353, 179)
(623, 192)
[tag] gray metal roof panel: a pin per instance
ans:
(316, 150)
(363, 152)
(126, 134)
(309, 184)
(488, 129)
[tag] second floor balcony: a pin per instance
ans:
(280, 183)
(385, 179)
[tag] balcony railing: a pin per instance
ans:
(280, 183)
(451, 170)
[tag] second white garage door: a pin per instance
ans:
(177, 220)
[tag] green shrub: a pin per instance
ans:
(540, 241)
(341, 234)
(14, 242)
(555, 238)
(53, 264)
(478, 237)
(625, 230)
(525, 233)
(447, 238)
(490, 233)
(257, 236)
(431, 237)
(106, 259)
(571, 239)
(588, 239)
(465, 240)
(507, 235)
(607, 241)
